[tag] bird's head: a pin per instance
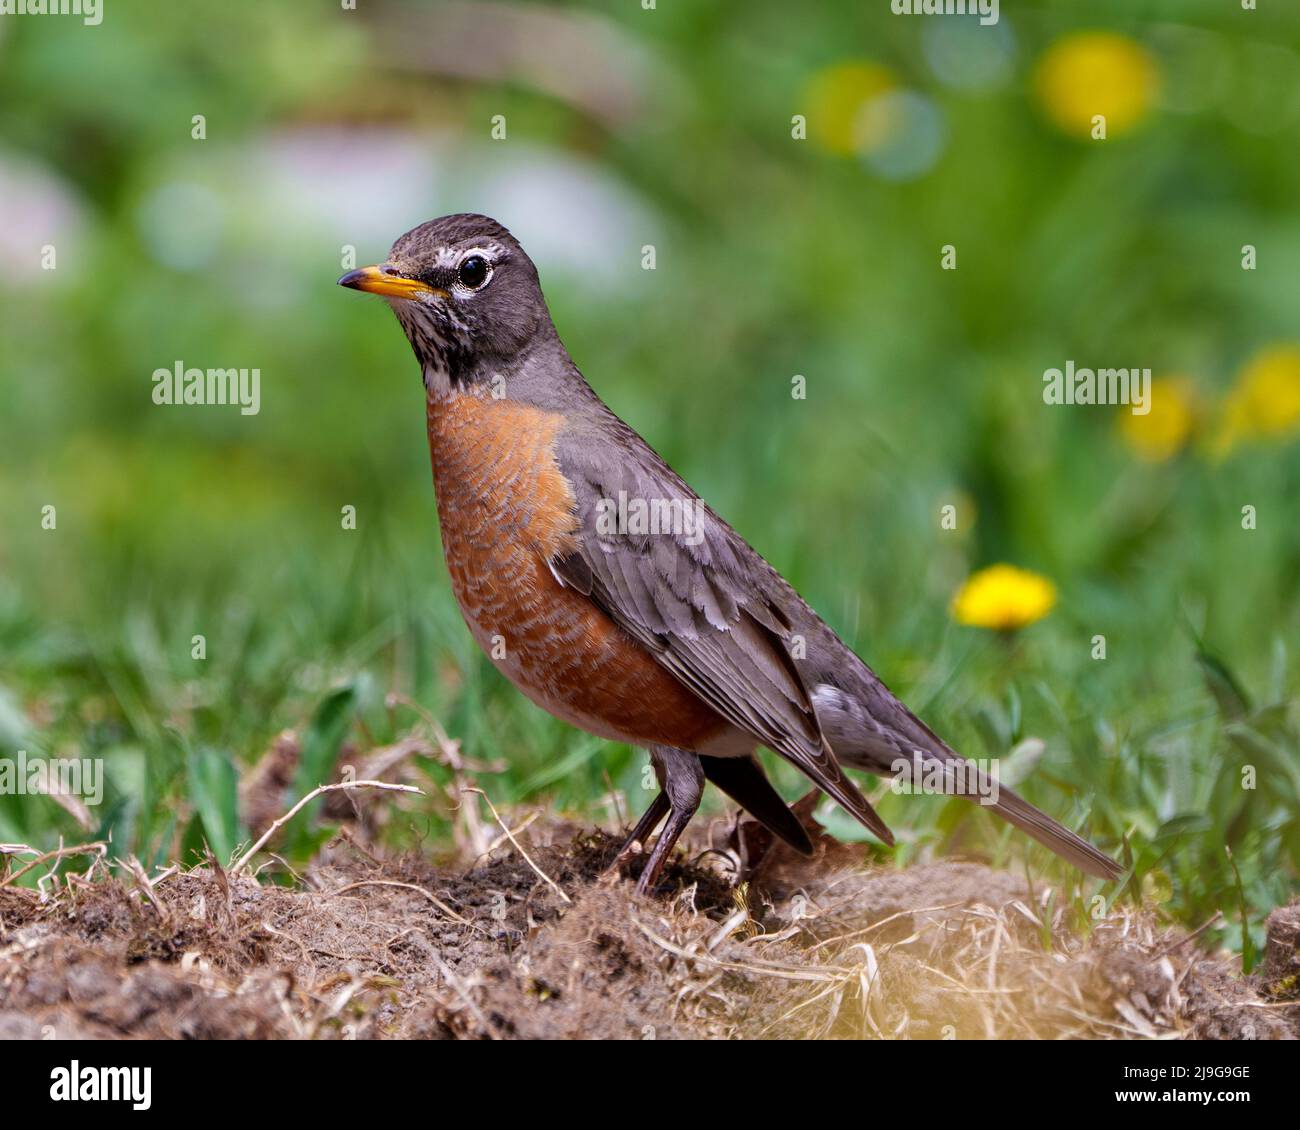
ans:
(466, 294)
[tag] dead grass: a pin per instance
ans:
(548, 947)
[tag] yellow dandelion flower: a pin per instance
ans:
(1003, 597)
(835, 97)
(1268, 391)
(1265, 401)
(1098, 72)
(1165, 429)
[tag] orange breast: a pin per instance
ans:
(505, 508)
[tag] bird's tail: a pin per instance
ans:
(867, 730)
(1070, 847)
(965, 778)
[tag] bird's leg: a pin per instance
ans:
(644, 827)
(682, 777)
(677, 821)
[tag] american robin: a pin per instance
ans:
(672, 634)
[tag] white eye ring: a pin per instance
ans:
(474, 253)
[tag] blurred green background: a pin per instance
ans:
(775, 255)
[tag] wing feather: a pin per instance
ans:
(697, 604)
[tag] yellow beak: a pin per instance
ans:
(385, 280)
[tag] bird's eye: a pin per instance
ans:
(473, 272)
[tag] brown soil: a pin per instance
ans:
(375, 949)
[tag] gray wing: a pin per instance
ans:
(690, 590)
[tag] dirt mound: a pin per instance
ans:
(549, 947)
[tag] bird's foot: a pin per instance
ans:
(635, 843)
